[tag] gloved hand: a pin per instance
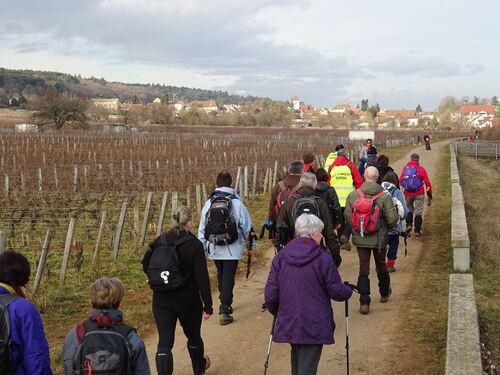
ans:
(429, 195)
(337, 259)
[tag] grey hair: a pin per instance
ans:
(181, 217)
(306, 224)
(296, 167)
(308, 179)
(415, 157)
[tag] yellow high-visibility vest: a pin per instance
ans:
(341, 179)
(330, 159)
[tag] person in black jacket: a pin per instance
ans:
(328, 194)
(190, 304)
(383, 167)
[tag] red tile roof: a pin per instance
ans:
(489, 109)
(401, 113)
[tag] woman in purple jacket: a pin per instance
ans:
(29, 351)
(302, 281)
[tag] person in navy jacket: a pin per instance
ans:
(29, 350)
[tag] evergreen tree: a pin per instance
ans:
(418, 109)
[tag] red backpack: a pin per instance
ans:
(365, 214)
(283, 196)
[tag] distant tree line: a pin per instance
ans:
(29, 83)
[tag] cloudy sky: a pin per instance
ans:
(397, 53)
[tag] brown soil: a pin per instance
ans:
(240, 348)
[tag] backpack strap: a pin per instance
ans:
(121, 328)
(6, 299)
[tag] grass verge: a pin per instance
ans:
(420, 338)
(481, 194)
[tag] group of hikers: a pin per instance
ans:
(314, 213)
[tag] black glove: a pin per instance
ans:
(429, 195)
(337, 259)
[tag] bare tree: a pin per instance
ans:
(56, 109)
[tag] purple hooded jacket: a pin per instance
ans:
(29, 348)
(302, 281)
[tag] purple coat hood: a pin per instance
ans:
(299, 289)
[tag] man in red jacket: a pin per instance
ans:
(344, 177)
(412, 179)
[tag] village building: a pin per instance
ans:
(112, 105)
(205, 105)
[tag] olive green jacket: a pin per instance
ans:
(388, 216)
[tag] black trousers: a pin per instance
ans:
(345, 228)
(305, 359)
(190, 318)
(226, 272)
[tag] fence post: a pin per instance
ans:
(3, 241)
(265, 180)
(237, 183)
(275, 175)
(99, 239)
(162, 213)
(6, 186)
(145, 221)
(188, 197)
(476, 150)
(204, 192)
(254, 182)
(245, 182)
(119, 229)
(270, 181)
(40, 180)
(41, 263)
(198, 199)
(175, 196)
(67, 246)
(75, 178)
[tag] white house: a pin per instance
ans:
(296, 103)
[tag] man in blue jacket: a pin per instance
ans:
(226, 255)
(29, 350)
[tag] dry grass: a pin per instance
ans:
(480, 181)
(420, 342)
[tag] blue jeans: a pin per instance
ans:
(393, 246)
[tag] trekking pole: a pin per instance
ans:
(268, 355)
(355, 289)
(347, 333)
(252, 236)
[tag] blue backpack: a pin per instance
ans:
(411, 180)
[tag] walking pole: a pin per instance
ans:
(266, 363)
(347, 333)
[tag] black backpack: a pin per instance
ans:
(104, 350)
(5, 338)
(305, 205)
(163, 271)
(220, 227)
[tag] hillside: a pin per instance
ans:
(29, 83)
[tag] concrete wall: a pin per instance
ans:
(463, 347)
(459, 232)
(463, 353)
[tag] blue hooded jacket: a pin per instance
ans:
(29, 349)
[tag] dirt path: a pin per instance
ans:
(240, 348)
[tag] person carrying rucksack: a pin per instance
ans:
(390, 183)
(371, 160)
(23, 347)
(344, 177)
(309, 162)
(371, 211)
(412, 179)
(177, 271)
(224, 230)
(280, 192)
(427, 141)
(299, 290)
(328, 194)
(103, 344)
(302, 201)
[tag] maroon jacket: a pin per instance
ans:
(290, 181)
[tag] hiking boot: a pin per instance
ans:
(364, 309)
(207, 364)
(384, 299)
(391, 269)
(225, 319)
(344, 243)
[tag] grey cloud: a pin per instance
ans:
(424, 67)
(223, 39)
